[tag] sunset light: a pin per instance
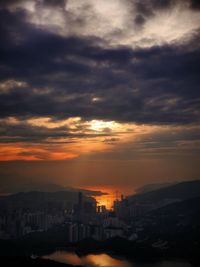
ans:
(100, 133)
(103, 126)
(106, 200)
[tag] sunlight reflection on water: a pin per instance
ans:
(105, 260)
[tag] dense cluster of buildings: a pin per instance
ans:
(84, 219)
(14, 224)
(89, 220)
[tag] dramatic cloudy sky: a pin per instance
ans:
(95, 93)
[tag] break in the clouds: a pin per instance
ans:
(110, 79)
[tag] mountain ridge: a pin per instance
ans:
(179, 191)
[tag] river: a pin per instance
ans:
(105, 260)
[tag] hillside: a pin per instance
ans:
(38, 200)
(177, 192)
(151, 187)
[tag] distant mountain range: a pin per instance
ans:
(40, 200)
(173, 226)
(152, 187)
(177, 222)
(187, 207)
(176, 192)
(46, 187)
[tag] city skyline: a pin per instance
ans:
(99, 94)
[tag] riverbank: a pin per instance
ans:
(28, 261)
(131, 250)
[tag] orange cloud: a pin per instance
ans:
(32, 152)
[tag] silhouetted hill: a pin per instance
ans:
(177, 192)
(188, 207)
(45, 187)
(181, 217)
(38, 200)
(44, 196)
(152, 187)
(174, 229)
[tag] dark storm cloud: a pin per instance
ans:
(7, 3)
(195, 4)
(147, 8)
(142, 91)
(63, 75)
(60, 3)
(25, 132)
(139, 19)
(36, 50)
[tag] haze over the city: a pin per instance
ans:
(102, 95)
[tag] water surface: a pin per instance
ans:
(105, 260)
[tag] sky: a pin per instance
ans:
(99, 94)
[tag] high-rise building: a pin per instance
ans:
(80, 200)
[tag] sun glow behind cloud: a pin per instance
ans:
(57, 139)
(103, 126)
(44, 138)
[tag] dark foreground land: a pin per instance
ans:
(168, 233)
(27, 261)
(15, 252)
